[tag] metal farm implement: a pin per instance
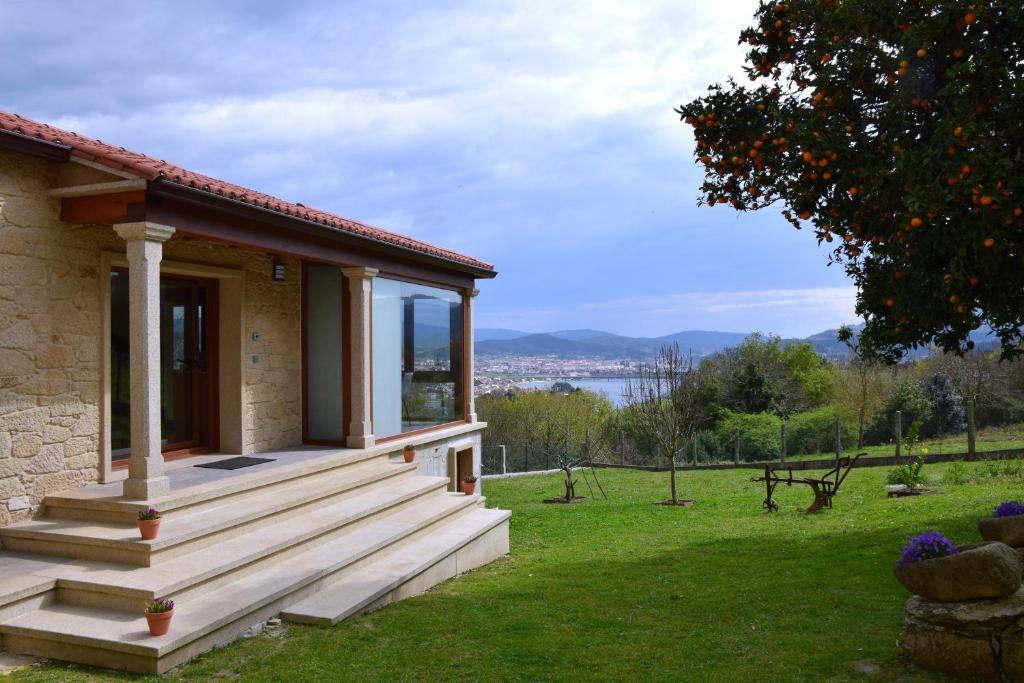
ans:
(824, 488)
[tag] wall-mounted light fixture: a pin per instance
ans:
(278, 271)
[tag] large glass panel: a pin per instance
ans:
(184, 375)
(324, 389)
(120, 381)
(417, 357)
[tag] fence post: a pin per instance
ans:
(657, 454)
(736, 452)
(622, 447)
(693, 448)
(899, 434)
(526, 457)
(839, 440)
(504, 462)
(782, 442)
(970, 428)
(586, 446)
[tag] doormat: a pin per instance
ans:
(235, 463)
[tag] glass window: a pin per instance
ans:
(417, 357)
(324, 387)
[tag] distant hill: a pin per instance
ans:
(598, 344)
(489, 333)
(700, 343)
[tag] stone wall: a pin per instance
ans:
(50, 340)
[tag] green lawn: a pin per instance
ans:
(627, 590)
(992, 439)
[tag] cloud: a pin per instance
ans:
(535, 134)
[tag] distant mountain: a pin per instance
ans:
(578, 335)
(699, 343)
(489, 333)
(598, 344)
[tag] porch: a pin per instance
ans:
(317, 535)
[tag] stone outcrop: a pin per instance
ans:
(977, 640)
(984, 570)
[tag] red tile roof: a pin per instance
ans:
(121, 159)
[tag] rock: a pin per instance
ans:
(972, 617)
(985, 570)
(1008, 530)
(950, 653)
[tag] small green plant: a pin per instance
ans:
(160, 605)
(909, 474)
(956, 474)
(149, 515)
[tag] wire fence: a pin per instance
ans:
(742, 449)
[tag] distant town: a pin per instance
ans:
(502, 373)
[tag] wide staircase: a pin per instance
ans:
(316, 542)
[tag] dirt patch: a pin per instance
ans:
(564, 500)
(682, 502)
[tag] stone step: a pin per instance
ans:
(114, 639)
(103, 502)
(186, 529)
(409, 569)
(212, 567)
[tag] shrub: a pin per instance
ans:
(814, 431)
(1009, 508)
(927, 546)
(759, 435)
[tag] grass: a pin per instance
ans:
(624, 590)
(990, 439)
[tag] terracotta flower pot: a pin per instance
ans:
(159, 623)
(409, 455)
(1008, 530)
(981, 570)
(468, 487)
(149, 528)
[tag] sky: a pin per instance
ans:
(538, 136)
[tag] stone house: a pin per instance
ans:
(250, 367)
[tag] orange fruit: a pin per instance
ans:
(854, 191)
(986, 200)
(970, 18)
(890, 302)
(973, 280)
(989, 242)
(916, 222)
(922, 52)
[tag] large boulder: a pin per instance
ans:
(1008, 530)
(974, 572)
(976, 640)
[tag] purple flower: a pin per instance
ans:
(927, 546)
(1009, 508)
(149, 515)
(161, 605)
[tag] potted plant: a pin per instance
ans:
(934, 568)
(158, 615)
(469, 485)
(1006, 524)
(409, 453)
(149, 523)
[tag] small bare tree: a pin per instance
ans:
(665, 400)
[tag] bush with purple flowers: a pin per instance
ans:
(1009, 508)
(160, 605)
(927, 546)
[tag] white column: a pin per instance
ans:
(360, 287)
(470, 357)
(146, 479)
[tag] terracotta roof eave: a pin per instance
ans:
(169, 188)
(39, 147)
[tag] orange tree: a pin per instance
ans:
(893, 129)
